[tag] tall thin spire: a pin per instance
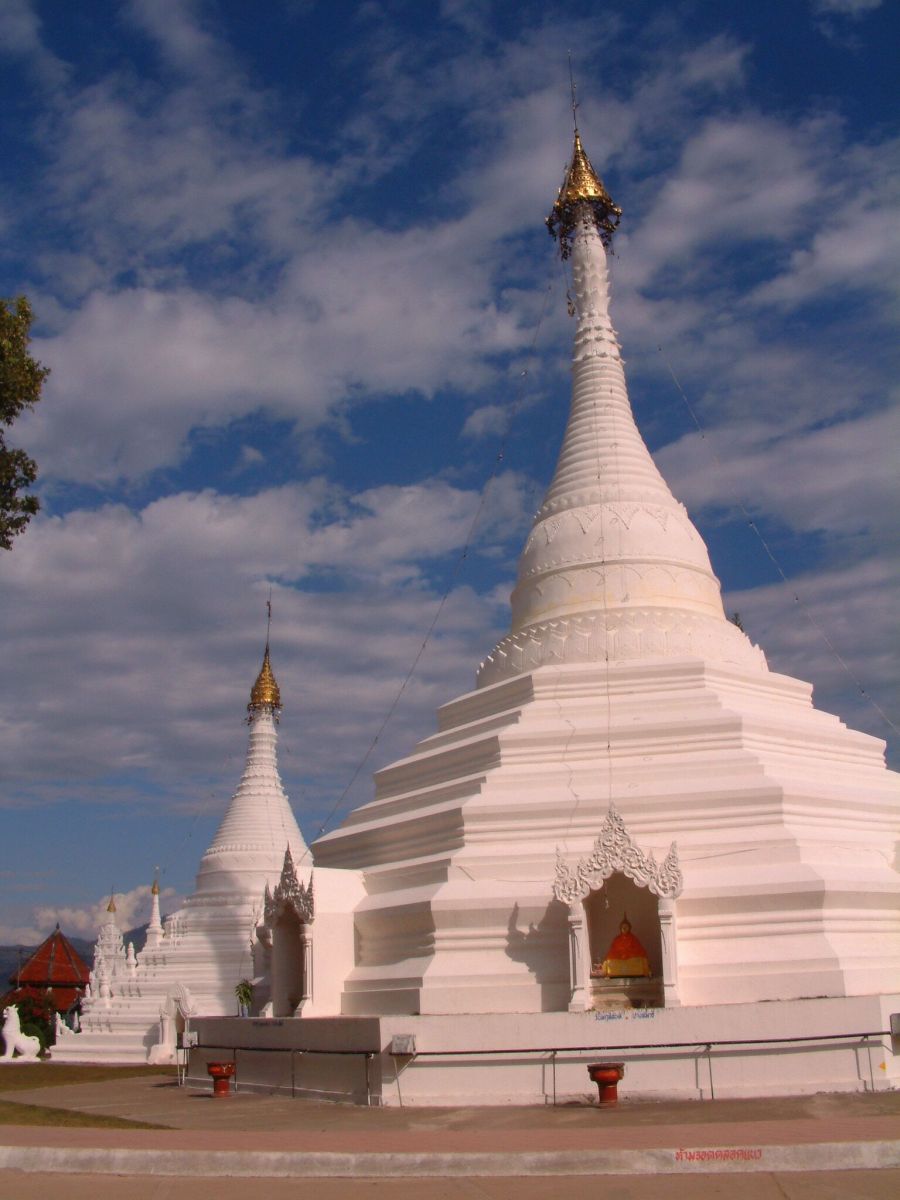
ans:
(155, 927)
(613, 567)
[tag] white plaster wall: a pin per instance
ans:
(337, 894)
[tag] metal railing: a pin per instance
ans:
(367, 1055)
(697, 1047)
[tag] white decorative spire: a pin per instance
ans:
(248, 849)
(613, 567)
(155, 928)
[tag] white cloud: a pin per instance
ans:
(143, 647)
(132, 910)
(847, 8)
(840, 478)
(175, 26)
(20, 36)
(22, 933)
(743, 179)
(838, 627)
(486, 420)
(135, 371)
(857, 250)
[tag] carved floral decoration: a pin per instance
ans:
(289, 893)
(615, 850)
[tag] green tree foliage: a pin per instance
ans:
(21, 380)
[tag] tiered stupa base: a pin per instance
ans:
(783, 819)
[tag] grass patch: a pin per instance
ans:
(20, 1077)
(13, 1113)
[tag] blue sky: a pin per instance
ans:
(291, 277)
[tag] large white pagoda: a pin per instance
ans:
(137, 1004)
(627, 749)
(622, 686)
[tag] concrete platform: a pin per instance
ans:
(250, 1135)
(711, 1052)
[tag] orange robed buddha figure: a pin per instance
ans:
(626, 956)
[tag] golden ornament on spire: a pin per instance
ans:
(265, 692)
(111, 907)
(581, 182)
(154, 891)
(582, 195)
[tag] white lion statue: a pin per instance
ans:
(15, 1041)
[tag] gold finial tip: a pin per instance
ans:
(582, 196)
(111, 907)
(582, 181)
(154, 891)
(265, 692)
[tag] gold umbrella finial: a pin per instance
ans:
(582, 194)
(582, 181)
(265, 693)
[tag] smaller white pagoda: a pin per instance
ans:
(137, 1004)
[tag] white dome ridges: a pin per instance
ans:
(613, 567)
(248, 849)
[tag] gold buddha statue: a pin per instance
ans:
(626, 957)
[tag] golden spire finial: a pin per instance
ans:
(582, 181)
(582, 193)
(265, 692)
(111, 907)
(154, 891)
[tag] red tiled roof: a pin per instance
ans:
(55, 963)
(56, 968)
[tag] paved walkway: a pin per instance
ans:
(250, 1135)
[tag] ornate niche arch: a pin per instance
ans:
(615, 850)
(175, 1014)
(286, 935)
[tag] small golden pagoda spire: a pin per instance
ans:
(154, 891)
(111, 907)
(265, 692)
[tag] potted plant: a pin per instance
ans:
(244, 994)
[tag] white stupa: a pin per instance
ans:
(192, 963)
(622, 700)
